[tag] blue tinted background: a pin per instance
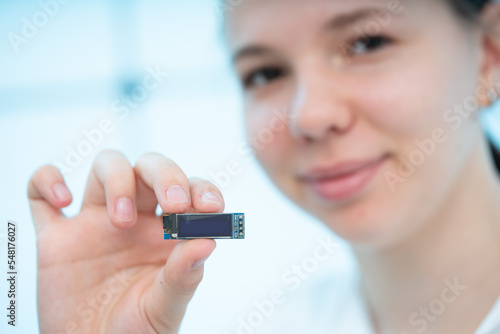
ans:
(79, 70)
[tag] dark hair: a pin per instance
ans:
(470, 9)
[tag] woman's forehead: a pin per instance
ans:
(274, 10)
(254, 21)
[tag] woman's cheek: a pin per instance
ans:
(400, 109)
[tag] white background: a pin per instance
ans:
(64, 81)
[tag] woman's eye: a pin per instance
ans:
(367, 44)
(262, 77)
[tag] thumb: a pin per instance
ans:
(173, 288)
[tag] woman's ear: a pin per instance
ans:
(490, 69)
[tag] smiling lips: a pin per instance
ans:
(343, 180)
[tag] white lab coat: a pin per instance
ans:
(332, 304)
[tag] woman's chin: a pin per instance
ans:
(364, 233)
(373, 222)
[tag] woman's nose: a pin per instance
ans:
(319, 107)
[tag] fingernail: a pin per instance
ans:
(124, 210)
(61, 192)
(198, 263)
(176, 194)
(210, 197)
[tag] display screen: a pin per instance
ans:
(205, 225)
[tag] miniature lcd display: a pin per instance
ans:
(205, 225)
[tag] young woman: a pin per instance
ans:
(383, 144)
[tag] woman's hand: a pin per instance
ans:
(108, 269)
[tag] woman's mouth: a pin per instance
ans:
(343, 180)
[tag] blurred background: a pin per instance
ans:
(156, 73)
(137, 76)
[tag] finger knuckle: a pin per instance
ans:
(147, 160)
(187, 288)
(108, 156)
(202, 185)
(44, 175)
(172, 174)
(151, 155)
(182, 286)
(107, 153)
(113, 161)
(44, 172)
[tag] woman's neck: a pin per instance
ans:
(447, 270)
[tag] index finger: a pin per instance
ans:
(168, 181)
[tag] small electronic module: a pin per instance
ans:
(204, 225)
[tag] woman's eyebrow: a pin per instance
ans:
(250, 50)
(347, 19)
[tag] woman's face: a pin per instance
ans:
(339, 93)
